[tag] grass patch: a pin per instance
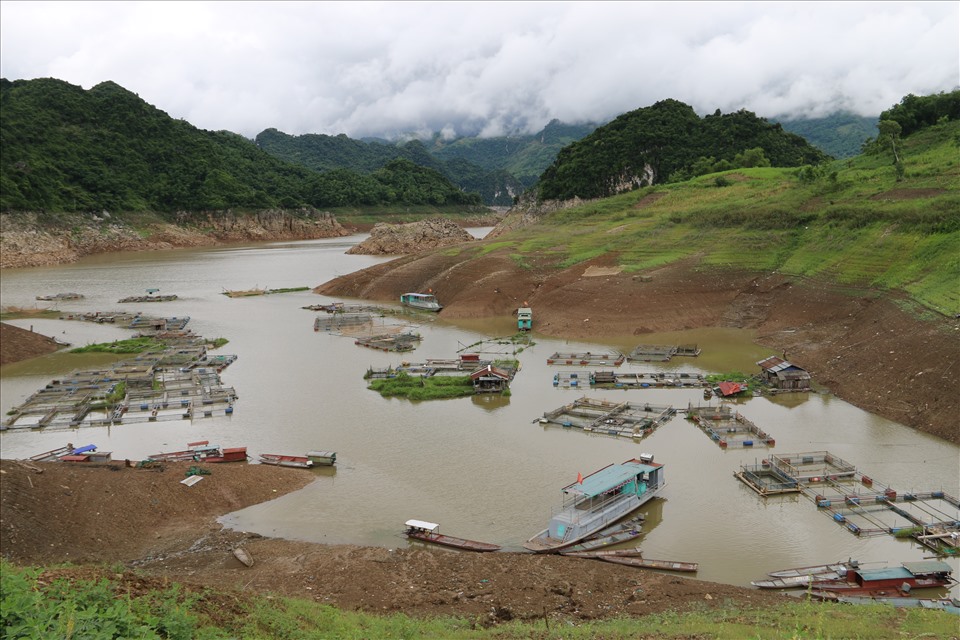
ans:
(216, 343)
(132, 345)
(403, 385)
(120, 605)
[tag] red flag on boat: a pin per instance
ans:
(579, 478)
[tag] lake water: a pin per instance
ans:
(482, 466)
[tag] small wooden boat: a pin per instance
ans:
(650, 563)
(280, 460)
(794, 582)
(430, 532)
(950, 605)
(814, 569)
(323, 458)
(633, 552)
(195, 452)
(53, 455)
(232, 454)
(609, 540)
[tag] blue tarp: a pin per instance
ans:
(89, 447)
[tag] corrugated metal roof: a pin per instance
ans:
(730, 388)
(608, 478)
(927, 566)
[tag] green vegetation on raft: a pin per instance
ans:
(37, 606)
(132, 345)
(403, 385)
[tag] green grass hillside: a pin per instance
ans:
(851, 222)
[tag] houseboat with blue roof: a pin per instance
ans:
(598, 500)
(924, 574)
(422, 301)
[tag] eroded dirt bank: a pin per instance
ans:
(146, 519)
(872, 349)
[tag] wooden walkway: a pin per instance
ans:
(661, 352)
(587, 358)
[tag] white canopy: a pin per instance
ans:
(420, 524)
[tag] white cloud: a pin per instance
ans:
(370, 68)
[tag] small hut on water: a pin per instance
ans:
(784, 376)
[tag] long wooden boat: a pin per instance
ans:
(833, 567)
(950, 605)
(195, 452)
(794, 582)
(280, 460)
(911, 575)
(430, 532)
(598, 501)
(632, 552)
(595, 544)
(650, 563)
(53, 455)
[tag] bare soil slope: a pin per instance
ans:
(146, 519)
(873, 349)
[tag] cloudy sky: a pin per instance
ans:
(371, 68)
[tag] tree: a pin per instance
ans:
(890, 132)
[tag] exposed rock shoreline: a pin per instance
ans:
(413, 237)
(32, 240)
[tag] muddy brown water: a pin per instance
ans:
(482, 467)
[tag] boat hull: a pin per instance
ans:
(453, 541)
(650, 563)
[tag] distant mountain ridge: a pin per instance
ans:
(840, 135)
(498, 168)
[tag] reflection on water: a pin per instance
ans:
(480, 466)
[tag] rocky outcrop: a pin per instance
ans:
(529, 211)
(410, 238)
(33, 239)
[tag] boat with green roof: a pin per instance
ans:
(599, 500)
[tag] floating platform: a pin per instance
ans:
(337, 321)
(168, 298)
(401, 342)
(587, 358)
(662, 352)
(625, 380)
(729, 429)
(634, 420)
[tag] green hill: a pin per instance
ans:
(850, 221)
(667, 142)
(840, 135)
(67, 149)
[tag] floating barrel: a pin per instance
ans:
(853, 500)
(867, 482)
(838, 517)
(723, 444)
(771, 442)
(854, 528)
(823, 504)
(909, 496)
(890, 494)
(748, 443)
(936, 494)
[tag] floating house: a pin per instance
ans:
(423, 301)
(524, 318)
(599, 500)
(783, 376)
(490, 380)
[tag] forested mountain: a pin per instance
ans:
(840, 135)
(67, 149)
(497, 168)
(665, 142)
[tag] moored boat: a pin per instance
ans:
(600, 542)
(633, 552)
(910, 575)
(599, 500)
(323, 458)
(281, 460)
(814, 569)
(793, 582)
(424, 301)
(950, 605)
(201, 451)
(650, 563)
(430, 532)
